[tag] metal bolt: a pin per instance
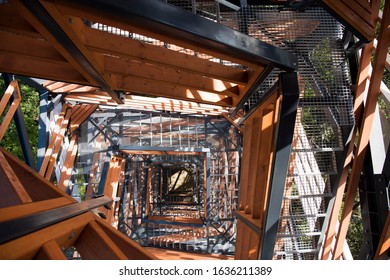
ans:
(71, 235)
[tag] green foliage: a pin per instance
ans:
(30, 111)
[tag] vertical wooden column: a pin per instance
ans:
(67, 168)
(267, 137)
(55, 142)
(111, 186)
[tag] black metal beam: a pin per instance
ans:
(172, 21)
(56, 31)
(21, 226)
(284, 135)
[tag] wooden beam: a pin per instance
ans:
(384, 242)
(55, 142)
(66, 171)
(149, 87)
(245, 165)
(37, 67)
(64, 233)
(74, 9)
(352, 17)
(95, 244)
(10, 22)
(253, 162)
(127, 48)
(360, 93)
(130, 248)
(42, 29)
(167, 75)
(259, 198)
(112, 184)
(50, 251)
(74, 28)
(12, 90)
(14, 180)
(365, 128)
(80, 117)
(37, 48)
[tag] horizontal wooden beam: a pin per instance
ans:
(166, 75)
(107, 43)
(37, 48)
(149, 87)
(31, 67)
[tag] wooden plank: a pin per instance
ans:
(50, 146)
(50, 251)
(253, 163)
(258, 198)
(31, 67)
(365, 129)
(253, 252)
(169, 75)
(94, 168)
(35, 47)
(70, 8)
(13, 178)
(166, 254)
(8, 195)
(247, 136)
(111, 187)
(359, 10)
(130, 248)
(95, 244)
(159, 89)
(245, 243)
(17, 211)
(239, 234)
(66, 171)
(42, 29)
(15, 24)
(12, 109)
(74, 124)
(127, 48)
(64, 233)
(74, 29)
(349, 15)
(6, 96)
(57, 145)
(384, 242)
(37, 187)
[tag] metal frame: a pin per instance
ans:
(284, 136)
